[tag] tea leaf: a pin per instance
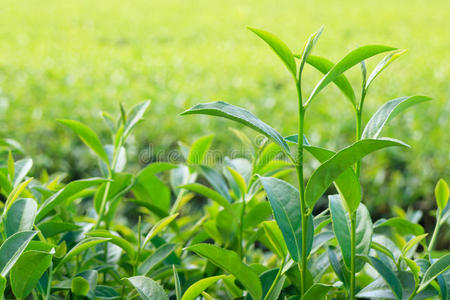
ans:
(176, 278)
(275, 237)
(240, 115)
(284, 199)
(230, 262)
(88, 136)
(69, 190)
(207, 192)
(412, 242)
(20, 216)
(324, 66)
(199, 149)
(21, 169)
(155, 258)
(279, 47)
(80, 286)
(324, 175)
(27, 271)
(240, 181)
(197, 288)
(160, 225)
(12, 248)
(441, 193)
(351, 59)
(387, 112)
(388, 275)
(387, 60)
(113, 238)
(15, 193)
(135, 116)
(307, 49)
(147, 288)
(318, 291)
(402, 226)
(341, 228)
(437, 268)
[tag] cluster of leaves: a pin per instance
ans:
(125, 235)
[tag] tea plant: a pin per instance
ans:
(202, 229)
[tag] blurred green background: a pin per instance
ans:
(71, 59)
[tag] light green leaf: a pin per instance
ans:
(231, 262)
(402, 226)
(324, 66)
(441, 193)
(21, 169)
(12, 248)
(438, 267)
(15, 193)
(240, 115)
(341, 228)
(387, 60)
(79, 286)
(147, 288)
(2, 285)
(387, 112)
(20, 216)
(27, 271)
(115, 239)
(275, 237)
(197, 288)
(207, 192)
(329, 171)
(69, 190)
(160, 225)
(80, 247)
(134, 116)
(279, 47)
(240, 181)
(199, 149)
(412, 242)
(351, 59)
(88, 136)
(177, 283)
(284, 199)
(318, 291)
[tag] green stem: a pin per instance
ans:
(241, 229)
(49, 284)
(353, 257)
(138, 253)
(275, 281)
(435, 233)
(299, 168)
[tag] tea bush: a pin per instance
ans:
(234, 230)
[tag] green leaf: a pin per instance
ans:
(387, 60)
(387, 112)
(197, 288)
(275, 237)
(155, 258)
(69, 190)
(10, 166)
(338, 267)
(21, 169)
(284, 199)
(177, 283)
(231, 262)
(2, 285)
(318, 291)
(135, 116)
(207, 192)
(88, 136)
(20, 216)
(240, 115)
(199, 149)
(80, 286)
(240, 181)
(52, 228)
(437, 268)
(115, 239)
(324, 66)
(27, 271)
(324, 175)
(351, 59)
(12, 248)
(441, 193)
(15, 193)
(341, 228)
(412, 242)
(160, 225)
(267, 278)
(402, 226)
(106, 293)
(80, 247)
(149, 188)
(388, 275)
(147, 288)
(268, 154)
(279, 47)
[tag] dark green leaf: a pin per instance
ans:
(106, 293)
(387, 112)
(284, 199)
(155, 258)
(12, 248)
(318, 291)
(230, 262)
(176, 278)
(147, 288)
(207, 192)
(437, 268)
(240, 115)
(20, 216)
(388, 275)
(402, 226)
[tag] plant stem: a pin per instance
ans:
(435, 233)
(353, 257)
(299, 167)
(241, 229)
(275, 281)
